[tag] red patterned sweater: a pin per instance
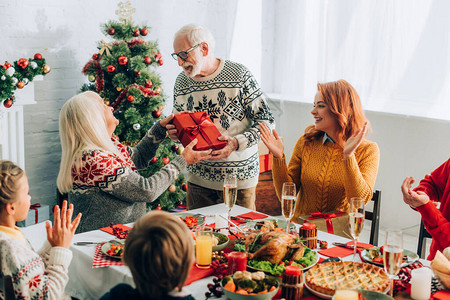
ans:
(108, 189)
(437, 221)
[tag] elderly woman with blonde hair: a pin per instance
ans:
(100, 174)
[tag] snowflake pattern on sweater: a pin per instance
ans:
(236, 105)
(41, 275)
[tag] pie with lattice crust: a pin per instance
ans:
(326, 277)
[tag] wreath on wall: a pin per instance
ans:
(18, 75)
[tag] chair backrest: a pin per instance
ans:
(421, 245)
(6, 285)
(374, 216)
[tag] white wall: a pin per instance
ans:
(409, 146)
(67, 33)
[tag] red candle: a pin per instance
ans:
(293, 271)
(237, 261)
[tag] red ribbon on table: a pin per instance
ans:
(36, 213)
(327, 217)
(202, 123)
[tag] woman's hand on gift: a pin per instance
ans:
(61, 234)
(172, 129)
(272, 142)
(191, 156)
(412, 198)
(232, 145)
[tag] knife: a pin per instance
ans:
(349, 246)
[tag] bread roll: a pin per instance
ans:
(441, 263)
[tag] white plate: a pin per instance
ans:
(105, 247)
(411, 258)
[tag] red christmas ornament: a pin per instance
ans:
(20, 84)
(136, 32)
(158, 55)
(184, 187)
(156, 113)
(174, 147)
(153, 160)
(7, 103)
(147, 60)
(122, 60)
(111, 31)
(172, 188)
(137, 73)
(160, 62)
(149, 84)
(95, 56)
(130, 98)
(23, 63)
(158, 90)
(111, 68)
(166, 160)
(158, 207)
(144, 31)
(7, 65)
(38, 56)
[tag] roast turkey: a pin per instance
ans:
(274, 246)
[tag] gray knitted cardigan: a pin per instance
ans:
(107, 189)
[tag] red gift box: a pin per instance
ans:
(265, 162)
(198, 125)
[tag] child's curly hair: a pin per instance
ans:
(10, 173)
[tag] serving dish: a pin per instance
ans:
(409, 256)
(372, 295)
(316, 259)
(221, 246)
(200, 218)
(236, 296)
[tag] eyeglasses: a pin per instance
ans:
(184, 54)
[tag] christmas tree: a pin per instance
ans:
(123, 73)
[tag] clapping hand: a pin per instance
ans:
(412, 198)
(273, 142)
(61, 234)
(353, 142)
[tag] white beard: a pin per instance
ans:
(194, 70)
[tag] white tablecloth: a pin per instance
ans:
(87, 283)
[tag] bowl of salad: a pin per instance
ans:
(244, 285)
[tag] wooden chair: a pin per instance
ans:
(422, 245)
(8, 288)
(374, 216)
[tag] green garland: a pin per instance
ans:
(18, 75)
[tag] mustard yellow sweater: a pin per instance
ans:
(324, 179)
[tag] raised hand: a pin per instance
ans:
(273, 142)
(232, 145)
(191, 156)
(353, 142)
(410, 197)
(61, 234)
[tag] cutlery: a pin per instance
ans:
(350, 246)
(115, 242)
(237, 227)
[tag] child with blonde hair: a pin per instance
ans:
(35, 275)
(160, 253)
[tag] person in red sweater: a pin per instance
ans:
(433, 189)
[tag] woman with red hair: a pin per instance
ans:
(332, 162)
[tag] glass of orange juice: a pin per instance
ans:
(203, 247)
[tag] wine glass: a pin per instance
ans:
(356, 220)
(392, 255)
(229, 192)
(288, 196)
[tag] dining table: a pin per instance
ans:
(86, 282)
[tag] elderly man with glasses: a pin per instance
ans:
(229, 93)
